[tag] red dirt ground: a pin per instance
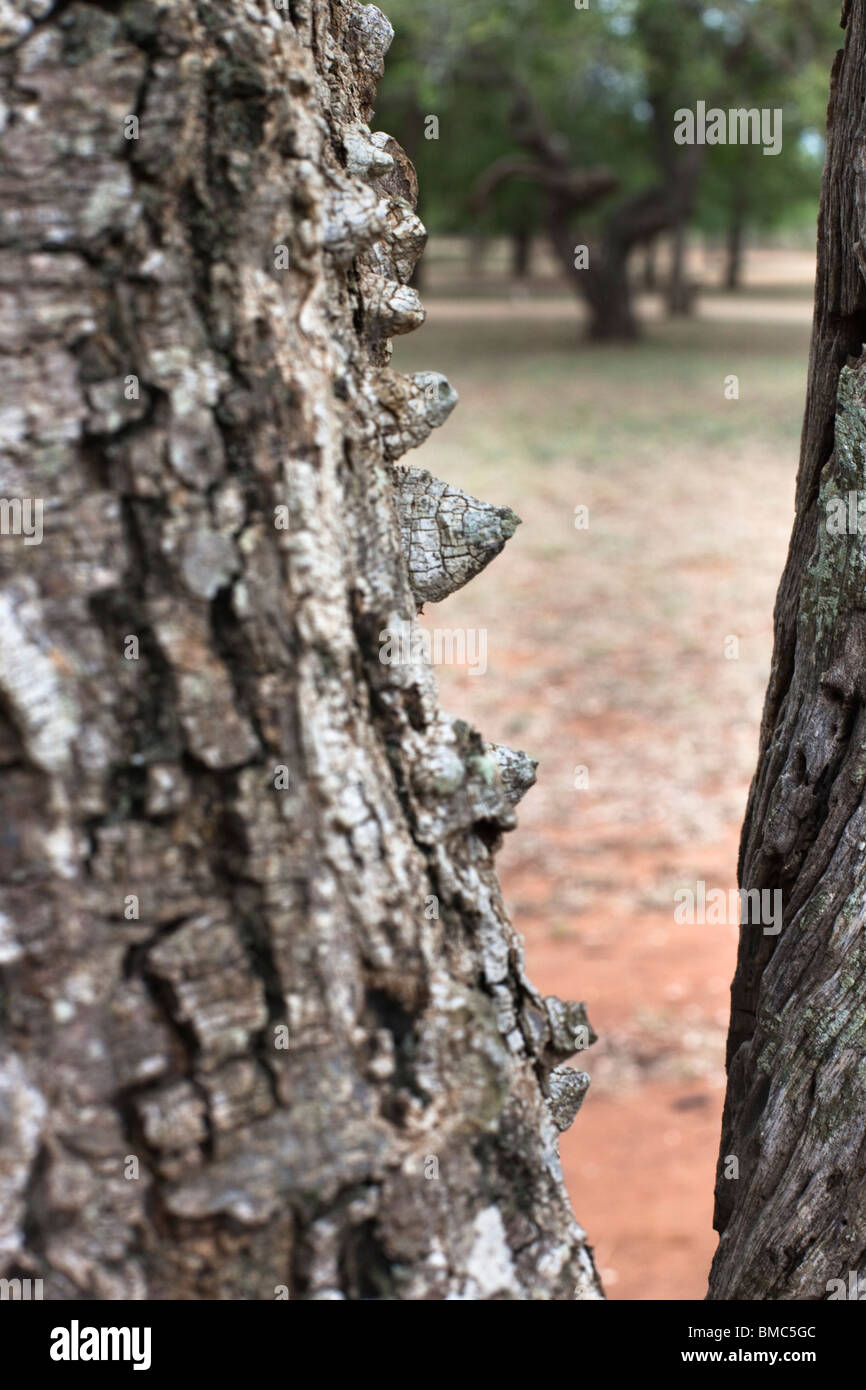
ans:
(607, 648)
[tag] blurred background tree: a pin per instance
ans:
(540, 118)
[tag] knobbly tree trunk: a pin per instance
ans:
(792, 1221)
(266, 1029)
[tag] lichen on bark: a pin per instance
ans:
(265, 1021)
(791, 1177)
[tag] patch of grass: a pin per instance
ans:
(537, 396)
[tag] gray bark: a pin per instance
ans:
(266, 1030)
(792, 1221)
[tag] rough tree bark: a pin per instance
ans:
(266, 1028)
(792, 1221)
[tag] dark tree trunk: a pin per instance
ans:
(679, 299)
(606, 285)
(521, 254)
(603, 283)
(266, 1030)
(734, 247)
(792, 1221)
(608, 294)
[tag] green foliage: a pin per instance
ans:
(609, 79)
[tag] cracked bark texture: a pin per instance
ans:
(266, 1030)
(795, 1218)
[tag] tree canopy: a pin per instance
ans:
(608, 80)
